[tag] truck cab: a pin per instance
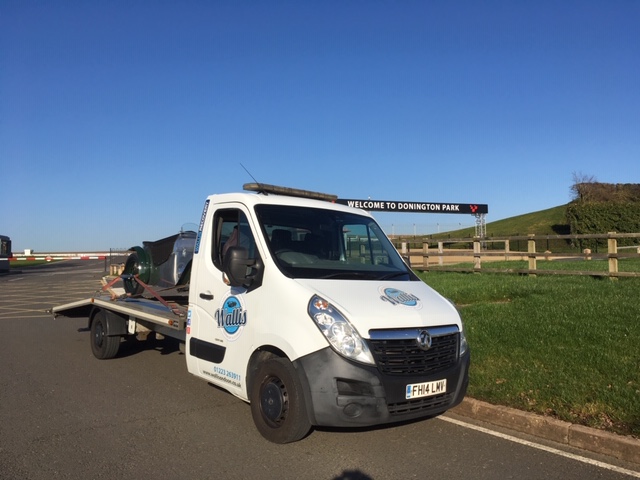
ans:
(304, 308)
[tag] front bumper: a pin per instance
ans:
(341, 393)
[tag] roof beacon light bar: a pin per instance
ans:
(290, 192)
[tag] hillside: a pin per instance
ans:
(551, 221)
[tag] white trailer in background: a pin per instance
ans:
(5, 253)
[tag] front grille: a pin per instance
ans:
(403, 357)
(420, 404)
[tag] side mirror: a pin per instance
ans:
(238, 267)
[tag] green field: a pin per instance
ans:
(577, 265)
(561, 346)
(17, 264)
(551, 221)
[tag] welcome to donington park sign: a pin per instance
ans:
(479, 210)
(415, 207)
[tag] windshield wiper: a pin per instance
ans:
(347, 275)
(394, 275)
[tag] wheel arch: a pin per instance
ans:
(266, 352)
(261, 354)
(116, 323)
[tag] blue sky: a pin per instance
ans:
(118, 118)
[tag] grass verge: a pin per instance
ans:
(560, 346)
(15, 264)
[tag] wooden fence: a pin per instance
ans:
(435, 257)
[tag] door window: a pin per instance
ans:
(231, 229)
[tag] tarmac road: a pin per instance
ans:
(65, 414)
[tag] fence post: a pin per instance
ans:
(425, 255)
(476, 253)
(612, 244)
(532, 254)
(506, 250)
(440, 253)
(404, 254)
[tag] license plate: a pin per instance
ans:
(426, 389)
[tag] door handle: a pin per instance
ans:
(206, 296)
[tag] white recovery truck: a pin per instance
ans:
(298, 305)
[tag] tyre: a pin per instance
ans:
(277, 402)
(102, 346)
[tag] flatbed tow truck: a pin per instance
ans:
(296, 304)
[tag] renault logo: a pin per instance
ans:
(424, 340)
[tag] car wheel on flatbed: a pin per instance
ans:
(277, 402)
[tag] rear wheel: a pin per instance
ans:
(277, 402)
(102, 346)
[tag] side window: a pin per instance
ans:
(231, 228)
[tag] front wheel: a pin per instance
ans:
(277, 402)
(102, 346)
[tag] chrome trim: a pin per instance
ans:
(412, 333)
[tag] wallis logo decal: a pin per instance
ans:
(398, 297)
(231, 317)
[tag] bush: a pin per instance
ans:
(602, 217)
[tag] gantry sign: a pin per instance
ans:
(477, 209)
(415, 207)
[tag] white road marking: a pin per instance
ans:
(555, 451)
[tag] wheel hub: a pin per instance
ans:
(273, 401)
(99, 334)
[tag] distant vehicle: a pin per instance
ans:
(5, 253)
(296, 304)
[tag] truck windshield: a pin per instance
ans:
(329, 244)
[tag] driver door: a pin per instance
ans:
(221, 336)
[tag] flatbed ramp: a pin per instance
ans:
(170, 315)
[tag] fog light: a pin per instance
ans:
(353, 387)
(353, 410)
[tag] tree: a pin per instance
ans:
(580, 189)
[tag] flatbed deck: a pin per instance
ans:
(167, 317)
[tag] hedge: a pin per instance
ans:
(603, 217)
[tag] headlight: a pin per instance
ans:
(342, 336)
(464, 346)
